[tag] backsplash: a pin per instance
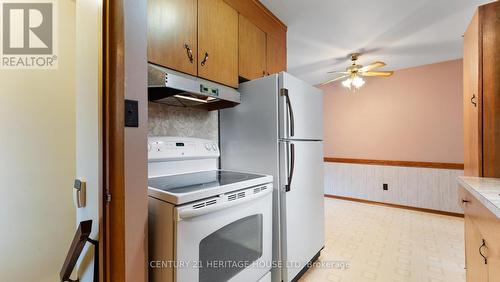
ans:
(186, 122)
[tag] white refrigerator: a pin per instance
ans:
(278, 130)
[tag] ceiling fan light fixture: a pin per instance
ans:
(356, 72)
(347, 83)
(358, 82)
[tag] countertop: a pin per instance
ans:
(486, 191)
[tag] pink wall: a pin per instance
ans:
(415, 115)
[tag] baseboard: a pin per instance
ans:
(395, 206)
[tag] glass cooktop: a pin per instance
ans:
(191, 182)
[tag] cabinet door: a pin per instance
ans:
(276, 53)
(476, 269)
(252, 50)
(472, 101)
(490, 70)
(218, 42)
(172, 40)
(494, 258)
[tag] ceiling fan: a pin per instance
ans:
(355, 72)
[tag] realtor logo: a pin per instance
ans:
(28, 34)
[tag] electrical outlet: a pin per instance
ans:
(385, 186)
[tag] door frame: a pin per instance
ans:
(112, 252)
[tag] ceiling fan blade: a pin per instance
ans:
(339, 72)
(372, 66)
(333, 80)
(377, 73)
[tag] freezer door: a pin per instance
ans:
(300, 109)
(302, 206)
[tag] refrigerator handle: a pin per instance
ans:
(284, 92)
(292, 167)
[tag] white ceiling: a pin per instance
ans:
(402, 33)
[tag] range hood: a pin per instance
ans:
(173, 88)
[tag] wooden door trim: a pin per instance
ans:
(113, 231)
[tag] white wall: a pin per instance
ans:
(37, 163)
(89, 122)
(136, 156)
(410, 186)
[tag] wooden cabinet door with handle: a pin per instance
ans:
(276, 54)
(481, 93)
(172, 34)
(252, 50)
(476, 252)
(494, 260)
(490, 87)
(218, 42)
(472, 101)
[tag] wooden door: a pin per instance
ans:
(172, 34)
(276, 53)
(472, 101)
(218, 42)
(252, 50)
(476, 269)
(490, 71)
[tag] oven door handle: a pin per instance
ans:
(187, 212)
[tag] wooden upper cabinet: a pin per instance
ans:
(471, 97)
(490, 87)
(481, 93)
(172, 34)
(276, 53)
(252, 50)
(218, 42)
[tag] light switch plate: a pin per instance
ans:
(131, 113)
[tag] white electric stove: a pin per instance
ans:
(206, 224)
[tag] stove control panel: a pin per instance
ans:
(180, 148)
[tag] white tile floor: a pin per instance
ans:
(388, 245)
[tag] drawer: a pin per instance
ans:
(471, 206)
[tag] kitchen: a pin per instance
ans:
(229, 140)
(245, 132)
(270, 116)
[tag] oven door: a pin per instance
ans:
(220, 244)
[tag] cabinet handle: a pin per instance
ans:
(465, 201)
(472, 100)
(189, 53)
(481, 252)
(205, 59)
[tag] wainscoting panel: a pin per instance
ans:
(428, 188)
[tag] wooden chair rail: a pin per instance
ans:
(396, 163)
